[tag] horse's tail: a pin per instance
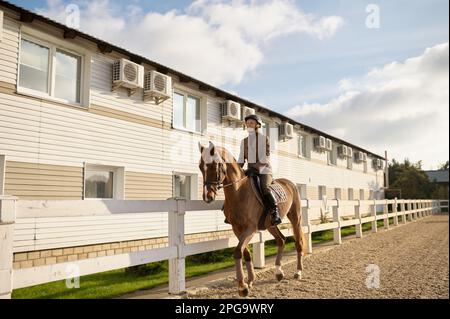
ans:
(298, 206)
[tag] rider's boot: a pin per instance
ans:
(275, 215)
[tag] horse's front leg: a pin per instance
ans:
(243, 288)
(250, 268)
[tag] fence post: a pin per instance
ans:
(385, 213)
(403, 212)
(416, 207)
(410, 213)
(373, 212)
(337, 238)
(358, 227)
(420, 211)
(7, 220)
(394, 209)
(177, 282)
(259, 260)
(307, 223)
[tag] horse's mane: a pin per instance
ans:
(228, 157)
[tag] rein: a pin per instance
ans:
(219, 184)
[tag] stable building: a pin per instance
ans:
(83, 119)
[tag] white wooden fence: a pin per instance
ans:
(51, 223)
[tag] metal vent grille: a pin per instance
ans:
(116, 71)
(160, 83)
(233, 109)
(130, 72)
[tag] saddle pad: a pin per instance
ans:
(276, 189)
(278, 192)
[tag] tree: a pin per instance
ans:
(411, 179)
(443, 167)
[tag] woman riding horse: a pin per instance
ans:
(258, 162)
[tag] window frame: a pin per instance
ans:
(305, 143)
(299, 188)
(338, 193)
(363, 193)
(118, 180)
(350, 162)
(322, 193)
(193, 184)
(54, 44)
(186, 94)
(351, 191)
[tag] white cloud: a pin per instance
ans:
(214, 41)
(402, 107)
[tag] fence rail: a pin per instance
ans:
(57, 213)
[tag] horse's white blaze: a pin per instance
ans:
(278, 270)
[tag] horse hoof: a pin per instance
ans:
(279, 277)
(243, 292)
(298, 276)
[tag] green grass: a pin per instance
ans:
(121, 281)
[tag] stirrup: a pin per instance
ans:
(275, 218)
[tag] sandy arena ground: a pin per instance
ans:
(413, 262)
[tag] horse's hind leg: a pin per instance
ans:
(299, 241)
(280, 240)
(249, 265)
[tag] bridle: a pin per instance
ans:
(218, 183)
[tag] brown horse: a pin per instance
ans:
(242, 208)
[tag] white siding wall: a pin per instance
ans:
(40, 132)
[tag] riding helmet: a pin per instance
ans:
(254, 117)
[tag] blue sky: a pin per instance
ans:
(300, 72)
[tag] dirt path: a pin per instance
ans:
(412, 259)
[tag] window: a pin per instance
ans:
(49, 71)
(349, 162)
(264, 127)
(337, 193)
(301, 145)
(186, 112)
(332, 156)
(371, 194)
(67, 76)
(361, 194)
(302, 190)
(350, 194)
(322, 192)
(365, 167)
(34, 66)
(99, 184)
(182, 186)
(103, 182)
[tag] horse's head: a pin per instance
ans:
(214, 171)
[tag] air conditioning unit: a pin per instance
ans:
(349, 152)
(377, 163)
(329, 145)
(231, 110)
(246, 111)
(360, 156)
(157, 86)
(319, 142)
(286, 130)
(127, 74)
(343, 150)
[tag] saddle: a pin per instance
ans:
(276, 189)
